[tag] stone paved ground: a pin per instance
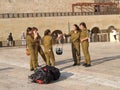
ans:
(103, 75)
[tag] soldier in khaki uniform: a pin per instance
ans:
(75, 39)
(38, 47)
(85, 44)
(47, 44)
(31, 46)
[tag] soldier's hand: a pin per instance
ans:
(35, 36)
(81, 40)
(64, 34)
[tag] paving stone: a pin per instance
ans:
(104, 74)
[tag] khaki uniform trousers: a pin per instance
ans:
(85, 46)
(50, 59)
(76, 52)
(39, 49)
(33, 59)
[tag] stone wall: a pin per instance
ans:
(19, 25)
(23, 6)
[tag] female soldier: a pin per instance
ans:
(47, 44)
(75, 39)
(38, 47)
(85, 44)
(31, 46)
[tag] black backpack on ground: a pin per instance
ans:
(45, 74)
(55, 72)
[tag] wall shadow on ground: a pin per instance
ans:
(93, 62)
(104, 59)
(7, 68)
(64, 61)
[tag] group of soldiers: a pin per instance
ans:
(33, 44)
(79, 37)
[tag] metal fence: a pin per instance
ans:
(15, 43)
(100, 37)
(103, 37)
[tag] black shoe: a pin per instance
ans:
(78, 64)
(38, 66)
(88, 65)
(74, 64)
(31, 69)
(85, 64)
(35, 70)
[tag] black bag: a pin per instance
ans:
(54, 71)
(59, 51)
(39, 75)
(46, 74)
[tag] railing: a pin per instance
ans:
(52, 14)
(95, 38)
(15, 43)
(102, 37)
(98, 37)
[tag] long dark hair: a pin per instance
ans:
(35, 28)
(28, 29)
(47, 32)
(77, 27)
(83, 24)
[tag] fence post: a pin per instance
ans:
(0, 43)
(13, 43)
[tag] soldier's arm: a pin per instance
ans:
(67, 35)
(42, 41)
(52, 40)
(84, 39)
(39, 36)
(30, 40)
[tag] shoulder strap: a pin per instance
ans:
(57, 45)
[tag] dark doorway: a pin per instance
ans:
(94, 34)
(55, 34)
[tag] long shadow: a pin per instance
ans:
(64, 61)
(94, 62)
(69, 66)
(66, 67)
(8, 68)
(104, 59)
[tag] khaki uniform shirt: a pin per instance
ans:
(47, 42)
(84, 34)
(74, 36)
(30, 41)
